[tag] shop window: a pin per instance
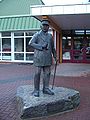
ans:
(29, 33)
(78, 43)
(19, 56)
(79, 32)
(29, 56)
(19, 44)
(0, 56)
(6, 56)
(88, 49)
(19, 34)
(0, 44)
(88, 32)
(6, 34)
(66, 55)
(28, 48)
(6, 44)
(66, 43)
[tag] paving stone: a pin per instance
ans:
(65, 99)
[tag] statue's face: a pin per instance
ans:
(45, 28)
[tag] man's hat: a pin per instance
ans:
(45, 22)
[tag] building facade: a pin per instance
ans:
(76, 46)
(69, 24)
(16, 29)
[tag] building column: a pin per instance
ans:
(60, 47)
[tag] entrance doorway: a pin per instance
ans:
(76, 48)
(81, 50)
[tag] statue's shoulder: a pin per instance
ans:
(50, 35)
(38, 33)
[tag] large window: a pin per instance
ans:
(14, 46)
(78, 43)
(5, 46)
(6, 34)
(29, 50)
(88, 49)
(76, 46)
(21, 49)
(66, 48)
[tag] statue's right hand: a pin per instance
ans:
(44, 46)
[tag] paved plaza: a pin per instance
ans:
(75, 76)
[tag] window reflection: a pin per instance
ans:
(6, 44)
(29, 56)
(0, 44)
(19, 34)
(66, 48)
(28, 48)
(67, 43)
(6, 34)
(19, 44)
(19, 56)
(6, 56)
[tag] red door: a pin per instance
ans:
(81, 50)
(76, 49)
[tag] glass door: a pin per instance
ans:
(66, 49)
(77, 55)
(81, 50)
(87, 50)
(6, 46)
(76, 46)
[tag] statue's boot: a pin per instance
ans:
(48, 91)
(36, 91)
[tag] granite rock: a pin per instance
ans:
(65, 99)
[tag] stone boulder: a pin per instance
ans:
(65, 99)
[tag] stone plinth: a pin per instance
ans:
(65, 99)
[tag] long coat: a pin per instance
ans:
(43, 57)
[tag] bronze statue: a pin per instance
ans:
(43, 45)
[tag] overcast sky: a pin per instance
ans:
(57, 2)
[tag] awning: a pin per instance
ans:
(66, 17)
(19, 23)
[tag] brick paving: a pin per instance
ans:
(14, 75)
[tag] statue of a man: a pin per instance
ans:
(43, 45)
